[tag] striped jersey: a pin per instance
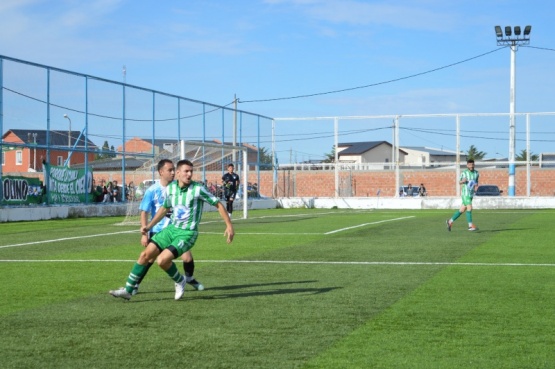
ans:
(153, 199)
(187, 204)
(472, 178)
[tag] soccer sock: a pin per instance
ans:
(137, 273)
(189, 268)
(456, 216)
(174, 273)
(469, 217)
(146, 271)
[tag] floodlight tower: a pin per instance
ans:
(519, 38)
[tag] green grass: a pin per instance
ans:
(398, 292)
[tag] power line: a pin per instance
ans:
(115, 118)
(377, 83)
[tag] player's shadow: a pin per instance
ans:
(206, 295)
(242, 286)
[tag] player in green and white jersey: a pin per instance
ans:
(469, 181)
(186, 197)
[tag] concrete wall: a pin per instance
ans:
(31, 213)
(416, 203)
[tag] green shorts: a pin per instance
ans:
(181, 240)
(467, 200)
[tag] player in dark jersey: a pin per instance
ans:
(231, 184)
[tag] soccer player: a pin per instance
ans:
(231, 184)
(185, 197)
(469, 180)
(152, 201)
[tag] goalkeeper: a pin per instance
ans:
(231, 184)
(469, 180)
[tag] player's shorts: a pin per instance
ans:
(467, 200)
(230, 195)
(178, 241)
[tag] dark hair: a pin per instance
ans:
(230, 165)
(470, 161)
(184, 162)
(163, 162)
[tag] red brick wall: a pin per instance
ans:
(366, 184)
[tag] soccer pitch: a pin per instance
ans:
(299, 288)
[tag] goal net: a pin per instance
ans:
(210, 160)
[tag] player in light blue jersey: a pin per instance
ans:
(153, 199)
(186, 198)
(469, 181)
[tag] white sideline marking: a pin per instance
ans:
(365, 224)
(254, 233)
(66, 239)
(401, 263)
(270, 233)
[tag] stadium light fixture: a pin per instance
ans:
(513, 41)
(508, 31)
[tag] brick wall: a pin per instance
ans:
(366, 184)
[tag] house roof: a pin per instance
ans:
(57, 138)
(131, 163)
(359, 148)
(434, 152)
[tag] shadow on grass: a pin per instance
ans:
(207, 295)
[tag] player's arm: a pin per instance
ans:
(160, 214)
(229, 231)
(144, 223)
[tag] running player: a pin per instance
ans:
(469, 180)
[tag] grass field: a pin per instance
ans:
(297, 289)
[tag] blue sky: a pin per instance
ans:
(280, 49)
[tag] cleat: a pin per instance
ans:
(449, 223)
(180, 289)
(472, 228)
(196, 284)
(135, 290)
(122, 292)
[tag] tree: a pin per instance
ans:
(265, 159)
(102, 155)
(524, 153)
(473, 153)
(330, 157)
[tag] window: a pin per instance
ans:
(60, 161)
(18, 157)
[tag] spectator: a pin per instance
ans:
(422, 190)
(410, 191)
(115, 192)
(107, 193)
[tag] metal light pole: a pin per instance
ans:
(68, 138)
(35, 152)
(513, 41)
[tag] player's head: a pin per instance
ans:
(163, 162)
(166, 170)
(470, 164)
(230, 167)
(184, 172)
